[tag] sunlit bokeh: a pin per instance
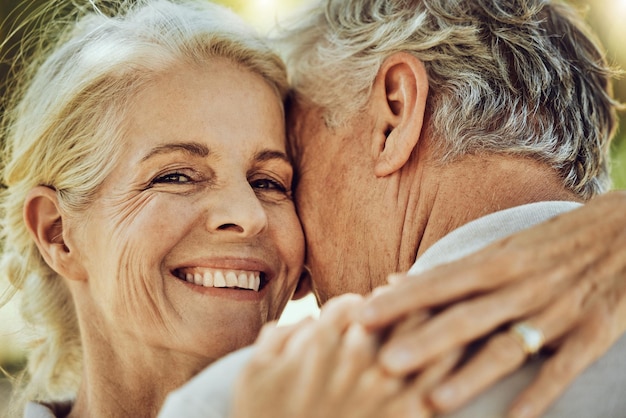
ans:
(611, 24)
(263, 14)
(620, 8)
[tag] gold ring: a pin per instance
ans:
(530, 338)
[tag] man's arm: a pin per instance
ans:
(566, 277)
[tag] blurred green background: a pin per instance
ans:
(606, 17)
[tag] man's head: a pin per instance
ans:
(374, 79)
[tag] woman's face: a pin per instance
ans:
(193, 241)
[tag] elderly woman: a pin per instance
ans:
(148, 221)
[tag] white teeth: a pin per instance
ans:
(242, 280)
(219, 280)
(231, 279)
(208, 279)
(224, 278)
(198, 279)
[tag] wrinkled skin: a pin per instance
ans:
(203, 187)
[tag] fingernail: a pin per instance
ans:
(521, 411)
(444, 395)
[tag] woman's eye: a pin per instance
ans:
(268, 184)
(172, 178)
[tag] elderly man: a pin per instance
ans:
(426, 130)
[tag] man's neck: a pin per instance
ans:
(444, 197)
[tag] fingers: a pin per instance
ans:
(560, 305)
(357, 353)
(410, 403)
(339, 312)
(503, 354)
(333, 321)
(424, 291)
(549, 386)
(336, 315)
(436, 372)
(272, 338)
(408, 325)
(336, 362)
(311, 353)
(460, 324)
(584, 342)
(579, 350)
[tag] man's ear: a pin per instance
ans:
(45, 224)
(398, 102)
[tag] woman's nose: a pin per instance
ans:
(237, 211)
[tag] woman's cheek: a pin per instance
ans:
(292, 239)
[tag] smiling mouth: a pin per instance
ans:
(233, 279)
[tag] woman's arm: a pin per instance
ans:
(325, 368)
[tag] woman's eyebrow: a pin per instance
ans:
(268, 154)
(192, 148)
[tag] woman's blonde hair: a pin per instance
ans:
(64, 128)
(524, 77)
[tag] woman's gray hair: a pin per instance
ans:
(65, 129)
(524, 77)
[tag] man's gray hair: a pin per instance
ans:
(523, 77)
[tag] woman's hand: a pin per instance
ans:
(566, 277)
(323, 369)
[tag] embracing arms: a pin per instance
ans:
(332, 368)
(566, 277)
